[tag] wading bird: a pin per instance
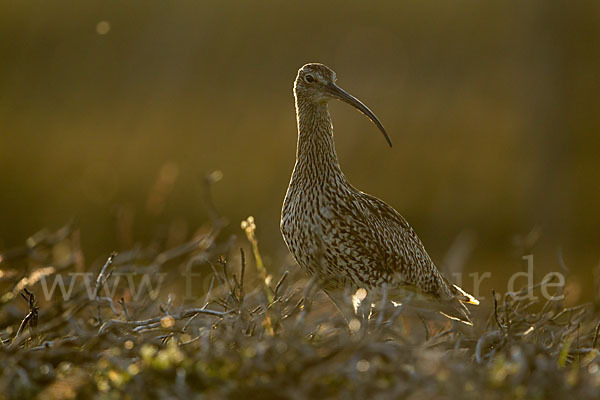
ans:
(349, 240)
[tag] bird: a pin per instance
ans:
(348, 240)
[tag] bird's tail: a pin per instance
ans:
(456, 309)
(463, 296)
(457, 312)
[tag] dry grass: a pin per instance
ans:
(244, 338)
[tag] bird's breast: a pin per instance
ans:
(309, 225)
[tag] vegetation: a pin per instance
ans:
(248, 337)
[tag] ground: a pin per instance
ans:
(251, 334)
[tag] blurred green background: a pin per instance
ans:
(111, 108)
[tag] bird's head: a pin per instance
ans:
(315, 83)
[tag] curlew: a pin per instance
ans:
(349, 240)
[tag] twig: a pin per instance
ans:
(487, 341)
(278, 286)
(306, 304)
(570, 310)
(595, 342)
(249, 228)
(100, 279)
(191, 341)
(210, 287)
(232, 293)
(188, 322)
(379, 321)
(110, 303)
(424, 322)
(500, 325)
(243, 271)
(182, 315)
(124, 307)
(53, 343)
(24, 323)
(165, 309)
(35, 240)
(31, 317)
(149, 327)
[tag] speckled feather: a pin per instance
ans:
(348, 238)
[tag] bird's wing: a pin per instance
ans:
(402, 254)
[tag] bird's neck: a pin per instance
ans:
(316, 157)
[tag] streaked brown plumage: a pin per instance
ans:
(345, 237)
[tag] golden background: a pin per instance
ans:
(493, 108)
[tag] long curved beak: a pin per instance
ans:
(340, 94)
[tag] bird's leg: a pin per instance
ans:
(427, 333)
(364, 311)
(343, 302)
(382, 305)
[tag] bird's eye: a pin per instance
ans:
(309, 78)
